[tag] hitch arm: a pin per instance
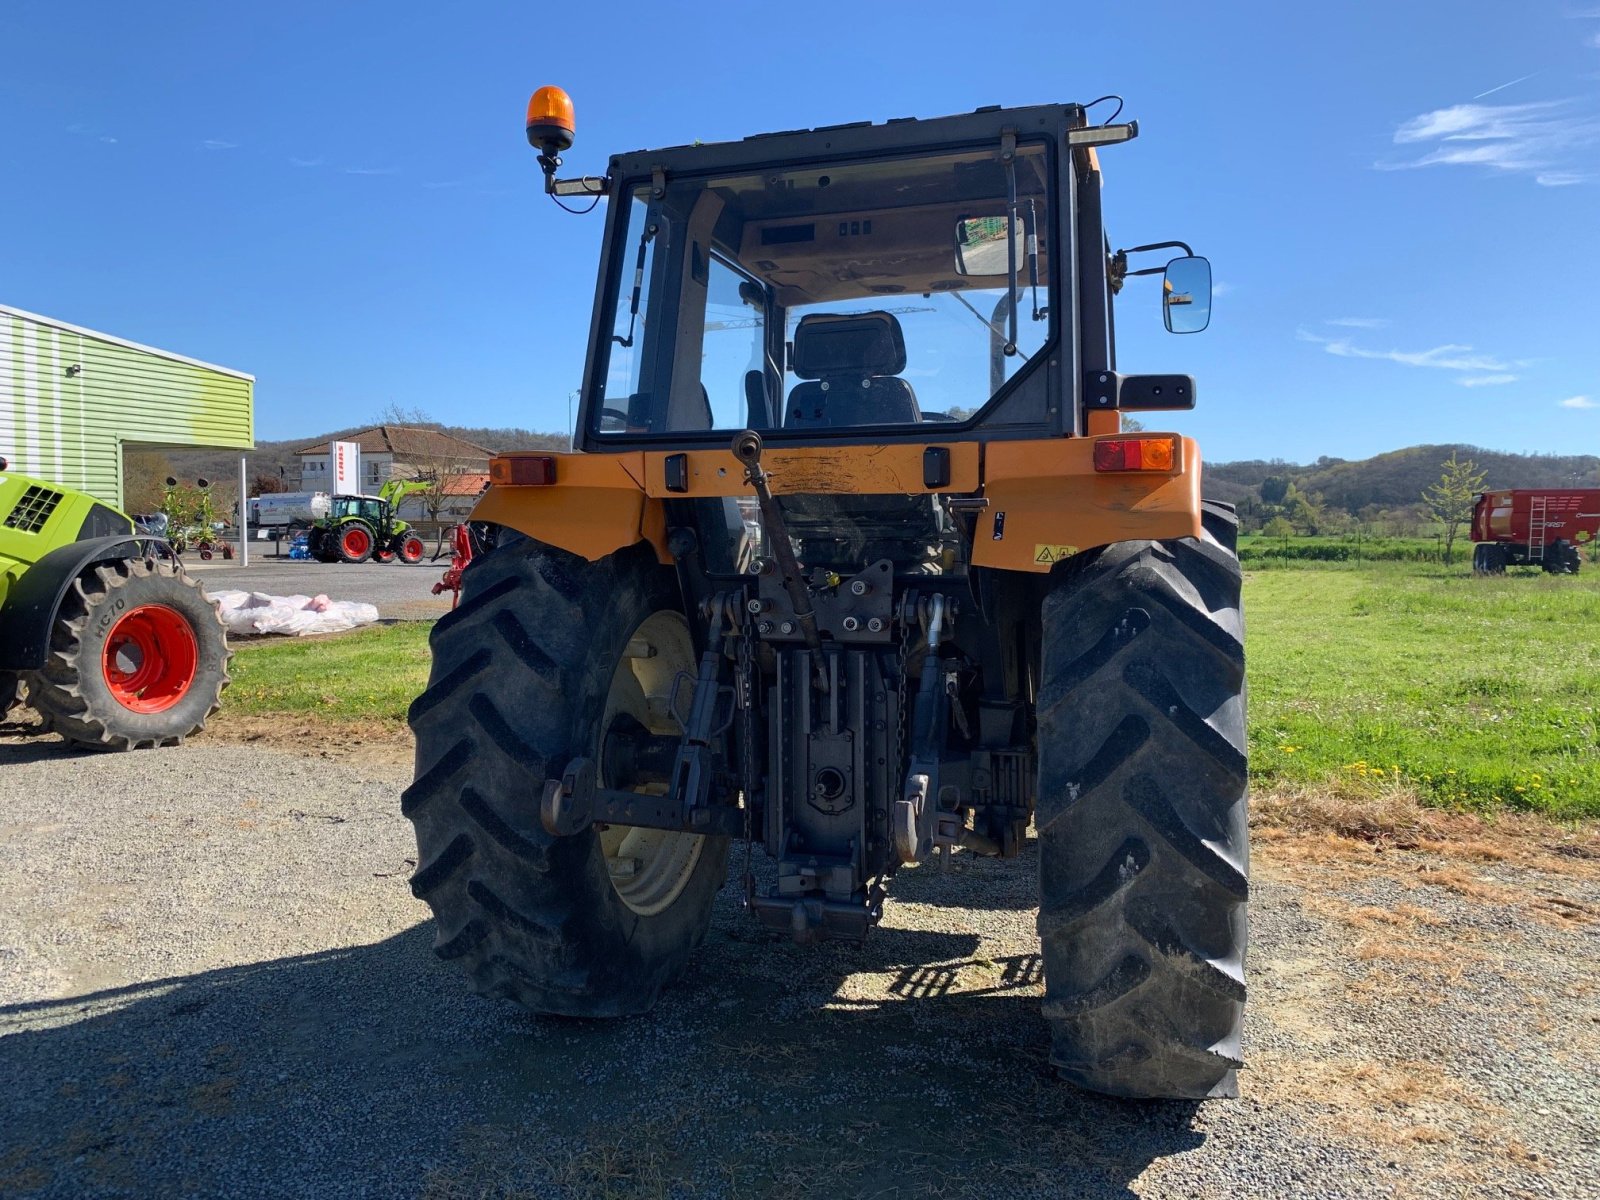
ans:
(747, 449)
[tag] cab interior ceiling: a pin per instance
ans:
(854, 238)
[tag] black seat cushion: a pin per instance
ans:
(851, 363)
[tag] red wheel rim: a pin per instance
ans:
(150, 658)
(356, 542)
(411, 549)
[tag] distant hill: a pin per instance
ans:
(1396, 479)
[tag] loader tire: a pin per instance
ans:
(1144, 855)
(523, 672)
(138, 658)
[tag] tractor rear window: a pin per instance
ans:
(858, 295)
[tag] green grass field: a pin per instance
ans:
(369, 674)
(1475, 693)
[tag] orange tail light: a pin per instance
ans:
(1135, 454)
(523, 470)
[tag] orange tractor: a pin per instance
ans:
(853, 562)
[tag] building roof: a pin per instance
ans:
(25, 315)
(466, 483)
(405, 441)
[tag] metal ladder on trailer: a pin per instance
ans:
(1537, 506)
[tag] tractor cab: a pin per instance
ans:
(367, 508)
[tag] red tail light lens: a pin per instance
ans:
(1135, 454)
(523, 470)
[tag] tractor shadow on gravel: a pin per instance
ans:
(39, 744)
(911, 1066)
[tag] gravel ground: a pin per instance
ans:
(213, 979)
(401, 592)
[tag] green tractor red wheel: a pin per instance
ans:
(150, 658)
(356, 542)
(411, 549)
(138, 658)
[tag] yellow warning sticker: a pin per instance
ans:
(1050, 553)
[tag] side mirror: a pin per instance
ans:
(1186, 294)
(981, 245)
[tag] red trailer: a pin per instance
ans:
(1533, 527)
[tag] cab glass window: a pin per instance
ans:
(863, 294)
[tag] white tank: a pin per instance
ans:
(289, 508)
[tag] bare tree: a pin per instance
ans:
(429, 462)
(1450, 500)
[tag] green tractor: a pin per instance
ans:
(359, 528)
(101, 630)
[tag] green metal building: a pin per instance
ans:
(71, 400)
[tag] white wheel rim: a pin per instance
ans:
(649, 868)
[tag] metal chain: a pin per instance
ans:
(900, 702)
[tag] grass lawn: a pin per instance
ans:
(370, 674)
(1475, 693)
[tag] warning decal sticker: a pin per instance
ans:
(1049, 553)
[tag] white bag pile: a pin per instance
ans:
(257, 612)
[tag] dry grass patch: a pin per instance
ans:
(1332, 823)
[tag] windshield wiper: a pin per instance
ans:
(991, 324)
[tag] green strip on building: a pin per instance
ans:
(72, 400)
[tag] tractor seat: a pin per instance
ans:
(851, 364)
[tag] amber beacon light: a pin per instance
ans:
(550, 126)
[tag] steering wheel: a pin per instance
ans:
(614, 414)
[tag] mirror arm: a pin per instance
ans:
(1184, 246)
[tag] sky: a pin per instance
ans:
(1400, 200)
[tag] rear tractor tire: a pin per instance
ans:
(356, 542)
(545, 653)
(138, 658)
(1142, 828)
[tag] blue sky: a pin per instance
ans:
(1401, 201)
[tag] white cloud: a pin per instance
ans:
(218, 144)
(1579, 402)
(110, 141)
(1485, 380)
(305, 162)
(1594, 38)
(1545, 139)
(372, 170)
(1448, 357)
(1357, 322)
(1221, 288)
